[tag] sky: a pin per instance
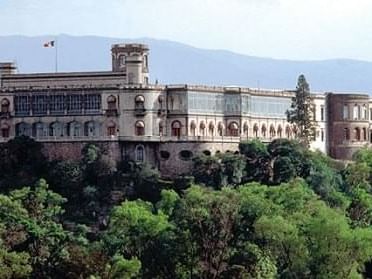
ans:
(285, 29)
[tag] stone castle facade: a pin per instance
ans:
(165, 125)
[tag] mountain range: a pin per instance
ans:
(176, 63)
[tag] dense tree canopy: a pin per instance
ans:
(272, 211)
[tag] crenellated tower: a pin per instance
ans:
(133, 60)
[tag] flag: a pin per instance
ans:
(49, 44)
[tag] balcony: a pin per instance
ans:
(139, 111)
(5, 115)
(111, 112)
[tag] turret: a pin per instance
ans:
(133, 60)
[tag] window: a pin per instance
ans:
(357, 134)
(365, 116)
(92, 103)
(164, 155)
(255, 130)
(39, 104)
(263, 130)
(5, 130)
(57, 104)
(221, 127)
(246, 129)
(193, 128)
(140, 153)
(74, 129)
(91, 129)
(322, 135)
(39, 130)
(234, 129)
(74, 103)
(23, 129)
(288, 132)
(322, 113)
(139, 103)
(345, 112)
(346, 134)
(5, 106)
(185, 155)
(202, 128)
(207, 153)
(161, 128)
(56, 129)
(272, 131)
(211, 129)
(279, 132)
(111, 129)
(176, 129)
(364, 134)
(22, 105)
(111, 103)
(355, 112)
(140, 128)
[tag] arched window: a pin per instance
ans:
(279, 131)
(139, 103)
(193, 128)
(202, 128)
(176, 129)
(161, 128)
(365, 116)
(140, 153)
(39, 130)
(255, 130)
(345, 112)
(355, 111)
(111, 103)
(111, 129)
(263, 130)
(161, 101)
(23, 129)
(234, 129)
(364, 134)
(220, 129)
(295, 130)
(211, 129)
(346, 134)
(245, 129)
(357, 134)
(91, 129)
(56, 129)
(5, 130)
(140, 128)
(272, 131)
(74, 129)
(288, 132)
(5, 106)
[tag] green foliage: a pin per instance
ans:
(24, 163)
(301, 113)
(219, 170)
(257, 160)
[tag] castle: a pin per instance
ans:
(165, 125)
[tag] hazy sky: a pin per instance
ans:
(293, 29)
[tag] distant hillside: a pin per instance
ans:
(172, 62)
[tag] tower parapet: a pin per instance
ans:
(133, 60)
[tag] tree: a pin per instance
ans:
(29, 219)
(301, 113)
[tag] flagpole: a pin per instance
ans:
(56, 56)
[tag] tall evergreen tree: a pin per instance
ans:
(301, 113)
